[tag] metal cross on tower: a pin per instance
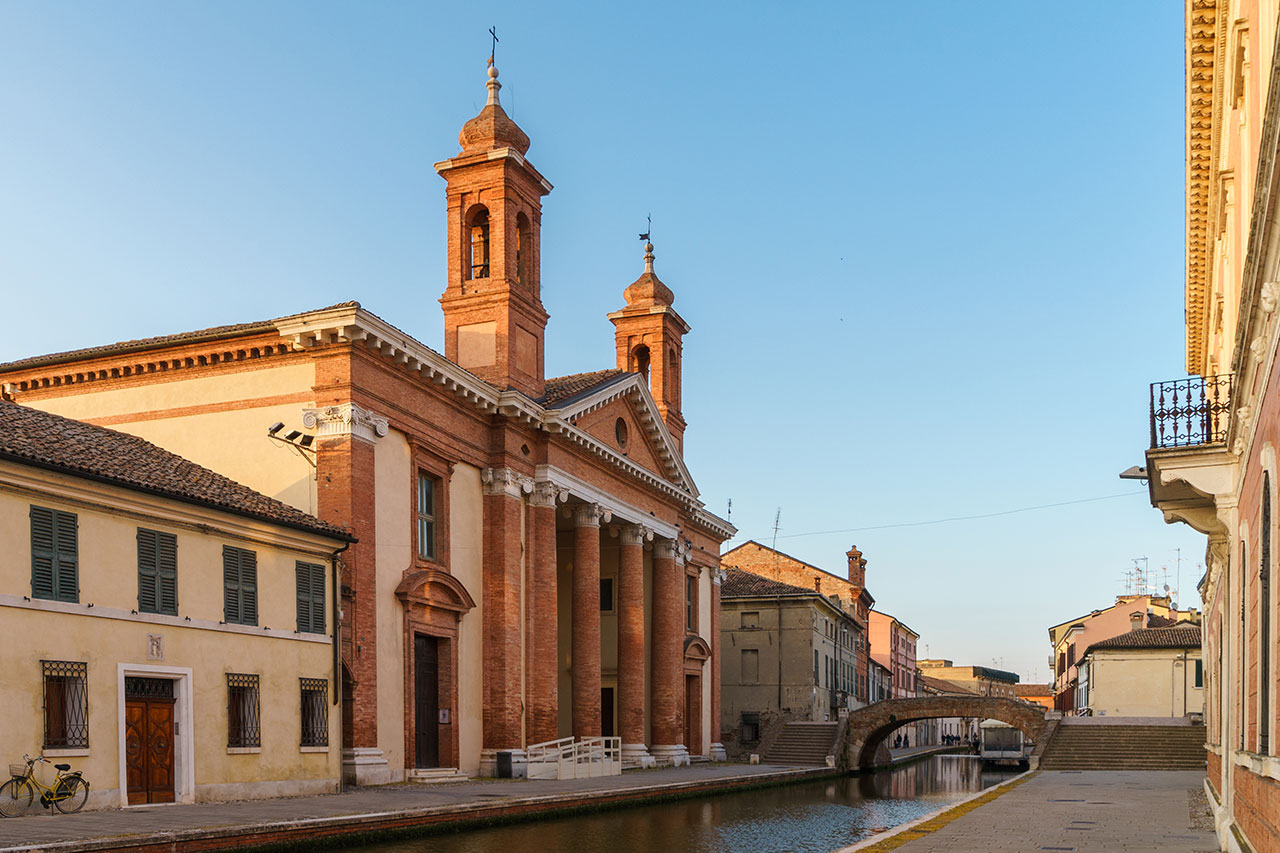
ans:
(493, 50)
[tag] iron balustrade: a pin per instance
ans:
(1190, 412)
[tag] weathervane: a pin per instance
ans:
(493, 50)
(648, 230)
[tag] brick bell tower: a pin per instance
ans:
(650, 339)
(494, 322)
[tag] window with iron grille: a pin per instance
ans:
(315, 711)
(239, 586)
(157, 572)
(66, 704)
(244, 726)
(55, 562)
(310, 598)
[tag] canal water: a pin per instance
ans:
(810, 816)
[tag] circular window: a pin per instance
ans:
(620, 431)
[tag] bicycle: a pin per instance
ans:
(68, 792)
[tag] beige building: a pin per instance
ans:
(982, 680)
(788, 654)
(169, 632)
(1146, 672)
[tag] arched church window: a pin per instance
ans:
(479, 266)
(640, 357)
(524, 250)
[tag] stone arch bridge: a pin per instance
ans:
(868, 728)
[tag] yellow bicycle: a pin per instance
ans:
(68, 791)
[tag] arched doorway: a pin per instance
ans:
(696, 655)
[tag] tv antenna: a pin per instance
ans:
(777, 517)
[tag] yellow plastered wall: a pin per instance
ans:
(1136, 683)
(219, 422)
(466, 549)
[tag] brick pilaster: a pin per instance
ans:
(545, 711)
(631, 643)
(667, 724)
(717, 748)
(503, 507)
(586, 621)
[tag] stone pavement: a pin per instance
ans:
(366, 810)
(1068, 810)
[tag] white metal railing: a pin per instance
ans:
(567, 758)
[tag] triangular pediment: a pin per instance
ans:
(648, 442)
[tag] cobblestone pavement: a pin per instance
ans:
(41, 828)
(1077, 811)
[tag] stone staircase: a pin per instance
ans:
(803, 743)
(1125, 747)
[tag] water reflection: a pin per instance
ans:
(814, 816)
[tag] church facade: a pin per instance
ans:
(533, 561)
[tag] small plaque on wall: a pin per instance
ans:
(444, 716)
(155, 646)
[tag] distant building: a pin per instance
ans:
(1069, 639)
(788, 655)
(169, 631)
(1036, 694)
(881, 682)
(950, 729)
(893, 643)
(1146, 672)
(851, 589)
(982, 680)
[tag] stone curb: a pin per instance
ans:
(871, 842)
(249, 835)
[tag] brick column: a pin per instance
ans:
(717, 748)
(545, 713)
(667, 723)
(631, 646)
(586, 620)
(345, 497)
(503, 723)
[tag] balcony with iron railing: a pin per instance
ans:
(1189, 466)
(1190, 412)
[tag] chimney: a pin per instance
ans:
(817, 582)
(1135, 621)
(857, 568)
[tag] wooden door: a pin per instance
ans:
(426, 700)
(148, 738)
(606, 712)
(693, 714)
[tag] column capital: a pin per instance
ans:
(590, 515)
(505, 481)
(346, 419)
(635, 534)
(664, 549)
(718, 576)
(546, 493)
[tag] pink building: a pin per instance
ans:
(893, 645)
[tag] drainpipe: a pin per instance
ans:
(337, 649)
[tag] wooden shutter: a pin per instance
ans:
(148, 574)
(230, 585)
(42, 553)
(310, 579)
(248, 587)
(317, 599)
(303, 572)
(65, 539)
(167, 572)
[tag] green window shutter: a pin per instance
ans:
(230, 585)
(248, 588)
(303, 573)
(317, 599)
(66, 566)
(148, 574)
(42, 553)
(167, 572)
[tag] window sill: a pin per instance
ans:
(64, 752)
(243, 750)
(313, 749)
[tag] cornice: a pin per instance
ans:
(1202, 48)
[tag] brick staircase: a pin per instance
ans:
(1125, 747)
(802, 743)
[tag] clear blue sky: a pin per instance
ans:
(931, 261)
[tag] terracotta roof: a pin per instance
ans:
(740, 583)
(1033, 690)
(1155, 620)
(1180, 637)
(943, 686)
(37, 438)
(213, 333)
(561, 390)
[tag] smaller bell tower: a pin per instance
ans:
(650, 341)
(494, 322)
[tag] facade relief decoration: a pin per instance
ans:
(345, 419)
(504, 481)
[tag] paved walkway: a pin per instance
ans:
(1068, 810)
(367, 809)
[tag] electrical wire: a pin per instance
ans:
(963, 517)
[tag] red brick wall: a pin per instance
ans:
(1257, 810)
